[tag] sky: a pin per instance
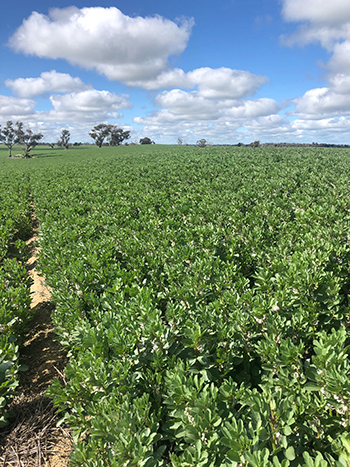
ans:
(227, 71)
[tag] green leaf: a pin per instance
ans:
(290, 453)
(287, 430)
(311, 387)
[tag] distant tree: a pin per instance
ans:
(64, 140)
(146, 141)
(27, 138)
(180, 141)
(114, 135)
(201, 143)
(255, 144)
(8, 136)
(100, 132)
(117, 136)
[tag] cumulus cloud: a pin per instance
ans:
(225, 83)
(11, 107)
(267, 128)
(326, 23)
(90, 101)
(86, 106)
(211, 82)
(121, 47)
(47, 82)
(253, 108)
(194, 106)
(335, 12)
(193, 116)
(77, 109)
(323, 102)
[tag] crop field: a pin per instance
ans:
(201, 295)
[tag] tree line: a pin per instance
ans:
(13, 134)
(112, 135)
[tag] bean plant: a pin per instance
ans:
(202, 297)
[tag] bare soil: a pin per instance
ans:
(32, 439)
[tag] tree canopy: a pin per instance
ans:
(12, 134)
(201, 143)
(114, 135)
(28, 138)
(146, 141)
(64, 139)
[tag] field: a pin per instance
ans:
(201, 295)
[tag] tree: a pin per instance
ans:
(8, 136)
(201, 143)
(64, 140)
(255, 144)
(27, 138)
(117, 136)
(180, 141)
(146, 141)
(100, 132)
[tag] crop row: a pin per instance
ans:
(202, 296)
(14, 281)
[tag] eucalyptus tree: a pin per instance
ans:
(100, 132)
(64, 139)
(8, 135)
(13, 134)
(114, 135)
(27, 138)
(117, 136)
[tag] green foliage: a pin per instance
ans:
(114, 134)
(14, 281)
(203, 300)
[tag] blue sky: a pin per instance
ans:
(226, 71)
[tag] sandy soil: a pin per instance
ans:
(32, 438)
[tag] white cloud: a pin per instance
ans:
(328, 124)
(340, 82)
(12, 108)
(340, 60)
(320, 103)
(193, 106)
(76, 110)
(174, 78)
(119, 46)
(193, 116)
(86, 106)
(188, 105)
(224, 83)
(90, 101)
(49, 81)
(253, 108)
(316, 11)
(326, 23)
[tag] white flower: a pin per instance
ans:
(189, 416)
